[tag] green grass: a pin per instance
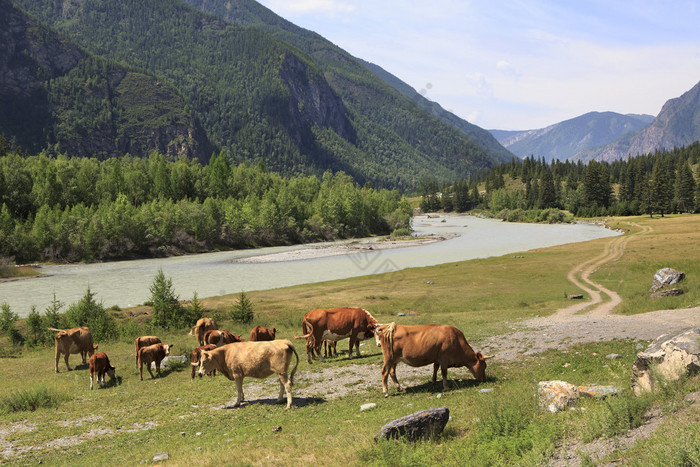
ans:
(128, 422)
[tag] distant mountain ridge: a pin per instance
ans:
(266, 90)
(569, 138)
(677, 125)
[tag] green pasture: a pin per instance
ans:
(127, 423)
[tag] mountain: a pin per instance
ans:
(678, 124)
(300, 105)
(54, 94)
(568, 138)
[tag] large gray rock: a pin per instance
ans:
(425, 424)
(556, 395)
(668, 357)
(666, 276)
(168, 361)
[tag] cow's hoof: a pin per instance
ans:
(386, 394)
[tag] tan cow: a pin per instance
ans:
(203, 325)
(152, 353)
(254, 359)
(261, 333)
(336, 324)
(196, 357)
(99, 366)
(442, 345)
(144, 341)
(76, 340)
(222, 337)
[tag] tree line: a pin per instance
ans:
(67, 209)
(660, 183)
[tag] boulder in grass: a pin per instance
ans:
(666, 276)
(556, 395)
(426, 424)
(668, 357)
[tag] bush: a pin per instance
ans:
(30, 400)
(402, 232)
(167, 310)
(242, 311)
(87, 312)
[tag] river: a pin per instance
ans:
(126, 283)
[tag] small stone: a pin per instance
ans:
(368, 406)
(182, 433)
(613, 356)
(161, 456)
(485, 390)
(276, 429)
(199, 433)
(439, 396)
(400, 314)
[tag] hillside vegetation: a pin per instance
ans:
(262, 99)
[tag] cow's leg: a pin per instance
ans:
(435, 370)
(91, 376)
(66, 360)
(352, 344)
(445, 386)
(83, 354)
(285, 387)
(148, 367)
(101, 380)
(58, 357)
(357, 347)
(239, 389)
(392, 373)
(158, 368)
(385, 379)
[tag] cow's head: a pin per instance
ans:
(274, 331)
(110, 373)
(479, 367)
(206, 363)
(167, 348)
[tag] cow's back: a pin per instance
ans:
(430, 343)
(256, 359)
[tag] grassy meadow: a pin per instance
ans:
(129, 422)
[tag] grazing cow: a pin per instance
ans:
(335, 324)
(254, 359)
(76, 340)
(219, 338)
(203, 325)
(196, 357)
(99, 365)
(152, 353)
(442, 345)
(261, 333)
(144, 341)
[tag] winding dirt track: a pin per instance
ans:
(593, 320)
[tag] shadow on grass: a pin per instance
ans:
(436, 387)
(296, 402)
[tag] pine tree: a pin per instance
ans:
(685, 188)
(548, 194)
(166, 305)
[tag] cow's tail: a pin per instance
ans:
(388, 338)
(294, 370)
(138, 356)
(191, 333)
(55, 330)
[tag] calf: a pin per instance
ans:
(144, 341)
(99, 365)
(261, 333)
(219, 338)
(76, 340)
(152, 353)
(442, 345)
(196, 357)
(254, 359)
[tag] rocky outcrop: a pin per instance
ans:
(426, 424)
(667, 358)
(666, 276)
(312, 101)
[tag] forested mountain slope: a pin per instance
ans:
(54, 94)
(341, 67)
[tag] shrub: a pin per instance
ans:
(242, 312)
(30, 400)
(167, 310)
(402, 232)
(87, 312)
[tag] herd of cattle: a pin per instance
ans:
(262, 355)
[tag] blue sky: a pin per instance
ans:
(520, 64)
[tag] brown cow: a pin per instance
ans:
(99, 366)
(203, 325)
(329, 348)
(442, 345)
(222, 337)
(144, 341)
(336, 324)
(76, 340)
(254, 359)
(196, 357)
(261, 333)
(152, 353)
